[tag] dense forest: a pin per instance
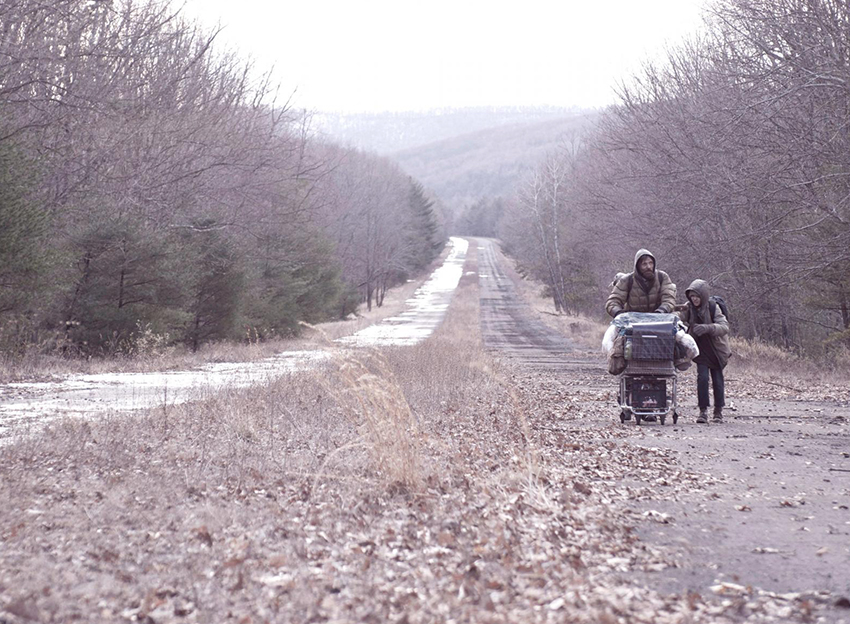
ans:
(152, 185)
(730, 160)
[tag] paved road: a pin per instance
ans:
(510, 326)
(778, 517)
(424, 311)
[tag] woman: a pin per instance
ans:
(709, 327)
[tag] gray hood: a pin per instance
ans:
(701, 289)
(644, 252)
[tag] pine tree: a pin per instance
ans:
(24, 226)
(423, 242)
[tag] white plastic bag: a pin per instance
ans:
(608, 339)
(688, 350)
(687, 341)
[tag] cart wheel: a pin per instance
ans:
(662, 418)
(675, 417)
(638, 418)
(622, 417)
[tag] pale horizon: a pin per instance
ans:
(384, 56)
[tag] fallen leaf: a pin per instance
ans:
(730, 588)
(277, 580)
(658, 516)
(26, 609)
(204, 535)
(277, 561)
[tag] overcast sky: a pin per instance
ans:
(398, 55)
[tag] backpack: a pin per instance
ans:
(717, 300)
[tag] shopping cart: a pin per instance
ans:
(648, 383)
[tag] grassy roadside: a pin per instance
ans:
(412, 485)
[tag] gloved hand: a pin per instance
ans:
(699, 330)
(660, 311)
(616, 311)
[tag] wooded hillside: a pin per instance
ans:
(151, 184)
(487, 163)
(391, 132)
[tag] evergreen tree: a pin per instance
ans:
(422, 242)
(294, 280)
(24, 225)
(125, 275)
(216, 291)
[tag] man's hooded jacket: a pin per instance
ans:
(646, 295)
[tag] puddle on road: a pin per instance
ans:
(81, 395)
(425, 310)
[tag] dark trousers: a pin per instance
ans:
(716, 386)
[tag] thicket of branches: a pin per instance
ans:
(730, 160)
(151, 183)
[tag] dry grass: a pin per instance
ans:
(452, 383)
(35, 366)
(766, 371)
(365, 388)
(760, 356)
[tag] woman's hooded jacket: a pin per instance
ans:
(718, 327)
(646, 295)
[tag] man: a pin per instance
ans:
(709, 327)
(646, 289)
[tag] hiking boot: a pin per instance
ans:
(718, 416)
(703, 417)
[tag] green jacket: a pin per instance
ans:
(645, 295)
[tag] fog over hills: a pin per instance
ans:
(392, 132)
(461, 155)
(486, 163)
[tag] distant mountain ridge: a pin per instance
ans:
(461, 155)
(487, 163)
(392, 132)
